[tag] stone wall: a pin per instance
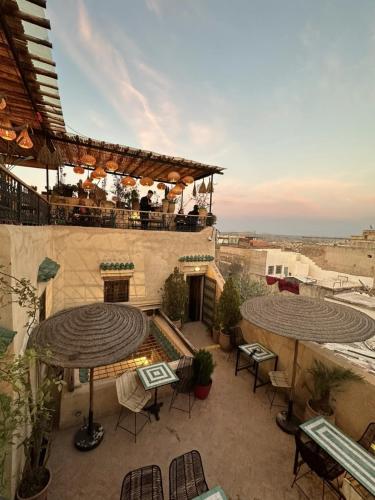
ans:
(354, 406)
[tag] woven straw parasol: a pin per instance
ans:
(87, 337)
(305, 318)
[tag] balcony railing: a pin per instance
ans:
(20, 204)
(79, 215)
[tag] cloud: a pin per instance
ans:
(154, 6)
(317, 198)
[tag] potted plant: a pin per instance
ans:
(324, 382)
(175, 296)
(165, 201)
(203, 366)
(229, 312)
(134, 199)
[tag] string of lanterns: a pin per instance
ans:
(9, 133)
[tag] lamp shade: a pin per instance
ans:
(161, 185)
(146, 181)
(111, 166)
(24, 141)
(128, 181)
(188, 179)
(88, 160)
(202, 188)
(8, 135)
(94, 175)
(177, 190)
(3, 103)
(171, 196)
(173, 176)
(87, 185)
(78, 169)
(100, 172)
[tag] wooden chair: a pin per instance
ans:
(185, 384)
(132, 396)
(186, 477)
(279, 381)
(143, 484)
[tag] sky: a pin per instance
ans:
(281, 93)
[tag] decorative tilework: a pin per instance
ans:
(156, 375)
(347, 452)
(214, 494)
(257, 351)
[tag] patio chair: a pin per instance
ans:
(185, 384)
(236, 339)
(279, 380)
(143, 484)
(318, 462)
(367, 440)
(186, 477)
(132, 396)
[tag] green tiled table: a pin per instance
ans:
(257, 353)
(347, 452)
(214, 494)
(154, 376)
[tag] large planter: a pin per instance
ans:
(224, 341)
(135, 204)
(311, 413)
(42, 495)
(202, 391)
(215, 335)
(171, 207)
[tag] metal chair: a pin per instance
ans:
(318, 462)
(143, 484)
(367, 440)
(186, 477)
(132, 396)
(279, 380)
(236, 339)
(185, 384)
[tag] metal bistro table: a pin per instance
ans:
(154, 376)
(257, 354)
(213, 494)
(345, 451)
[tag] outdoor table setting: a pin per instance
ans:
(257, 354)
(153, 377)
(215, 493)
(352, 457)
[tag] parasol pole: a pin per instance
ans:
(91, 417)
(285, 419)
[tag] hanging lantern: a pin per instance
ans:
(3, 103)
(171, 196)
(8, 135)
(100, 173)
(87, 185)
(210, 187)
(173, 176)
(188, 179)
(128, 181)
(202, 188)
(23, 140)
(146, 181)
(181, 185)
(111, 166)
(94, 175)
(78, 169)
(162, 186)
(194, 190)
(88, 160)
(177, 190)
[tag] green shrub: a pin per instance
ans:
(229, 305)
(175, 296)
(203, 367)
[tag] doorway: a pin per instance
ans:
(194, 305)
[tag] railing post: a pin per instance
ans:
(19, 196)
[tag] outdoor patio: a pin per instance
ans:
(241, 446)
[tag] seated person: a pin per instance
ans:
(193, 217)
(180, 220)
(81, 214)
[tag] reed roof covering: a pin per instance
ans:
(305, 318)
(93, 335)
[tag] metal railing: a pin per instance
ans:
(19, 203)
(93, 216)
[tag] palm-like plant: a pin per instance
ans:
(325, 381)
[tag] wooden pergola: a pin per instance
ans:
(28, 81)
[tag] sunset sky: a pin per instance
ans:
(280, 93)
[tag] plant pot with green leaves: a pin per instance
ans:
(323, 382)
(203, 366)
(174, 297)
(229, 312)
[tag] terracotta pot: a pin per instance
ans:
(224, 341)
(135, 205)
(42, 495)
(171, 207)
(311, 413)
(215, 335)
(203, 212)
(202, 391)
(165, 205)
